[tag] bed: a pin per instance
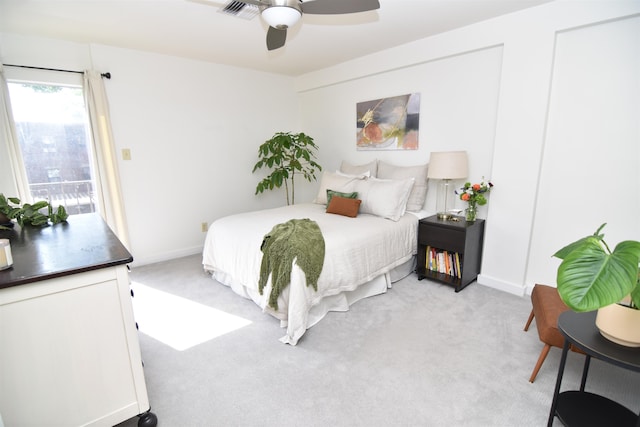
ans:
(364, 254)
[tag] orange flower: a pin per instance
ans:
(474, 194)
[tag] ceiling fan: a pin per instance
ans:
(282, 14)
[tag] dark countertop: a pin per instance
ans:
(82, 244)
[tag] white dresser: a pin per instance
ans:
(69, 351)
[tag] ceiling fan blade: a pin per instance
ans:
(336, 7)
(276, 38)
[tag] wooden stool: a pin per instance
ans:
(547, 306)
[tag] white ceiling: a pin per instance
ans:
(194, 28)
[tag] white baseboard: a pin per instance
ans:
(491, 282)
(137, 262)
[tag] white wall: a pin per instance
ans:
(531, 118)
(193, 129)
(458, 103)
(592, 143)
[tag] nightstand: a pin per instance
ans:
(450, 251)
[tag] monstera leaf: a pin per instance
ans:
(591, 276)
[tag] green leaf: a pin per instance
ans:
(59, 216)
(39, 205)
(562, 253)
(635, 295)
(590, 278)
(259, 188)
(14, 213)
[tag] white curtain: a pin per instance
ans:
(107, 176)
(10, 136)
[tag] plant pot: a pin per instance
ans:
(620, 324)
(5, 220)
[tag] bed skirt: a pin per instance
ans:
(338, 302)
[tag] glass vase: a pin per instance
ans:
(470, 212)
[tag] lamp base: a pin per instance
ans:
(444, 201)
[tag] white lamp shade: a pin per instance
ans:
(281, 16)
(448, 165)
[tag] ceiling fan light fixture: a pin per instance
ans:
(281, 16)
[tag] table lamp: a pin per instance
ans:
(445, 166)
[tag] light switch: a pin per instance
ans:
(126, 154)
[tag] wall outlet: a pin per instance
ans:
(204, 227)
(126, 154)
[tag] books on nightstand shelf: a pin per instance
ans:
(444, 262)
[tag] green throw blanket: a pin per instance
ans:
(298, 239)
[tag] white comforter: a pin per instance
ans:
(357, 250)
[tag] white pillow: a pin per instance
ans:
(419, 192)
(365, 174)
(335, 182)
(386, 198)
(348, 168)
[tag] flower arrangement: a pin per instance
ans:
(474, 194)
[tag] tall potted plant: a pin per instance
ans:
(288, 154)
(592, 277)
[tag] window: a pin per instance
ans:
(53, 132)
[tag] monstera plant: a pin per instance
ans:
(592, 277)
(288, 154)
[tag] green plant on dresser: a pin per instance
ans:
(29, 214)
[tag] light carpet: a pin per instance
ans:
(419, 355)
(179, 322)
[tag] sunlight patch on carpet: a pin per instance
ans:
(178, 322)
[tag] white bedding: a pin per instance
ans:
(357, 250)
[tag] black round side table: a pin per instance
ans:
(581, 408)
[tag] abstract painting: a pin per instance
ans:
(388, 123)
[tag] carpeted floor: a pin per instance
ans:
(419, 355)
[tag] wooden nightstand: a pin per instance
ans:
(450, 251)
